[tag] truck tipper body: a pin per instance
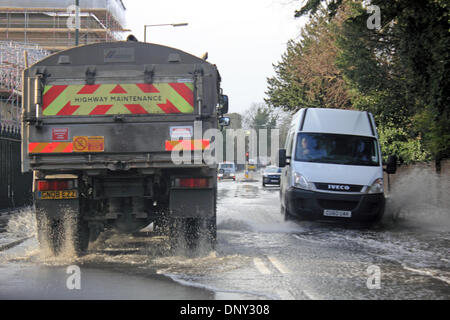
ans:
(100, 125)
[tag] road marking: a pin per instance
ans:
(430, 273)
(261, 266)
(284, 294)
(310, 296)
(277, 264)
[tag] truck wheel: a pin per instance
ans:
(200, 233)
(82, 236)
(193, 233)
(50, 233)
(161, 226)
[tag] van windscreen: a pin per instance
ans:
(337, 149)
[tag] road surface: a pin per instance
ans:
(258, 256)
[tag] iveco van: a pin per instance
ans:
(333, 167)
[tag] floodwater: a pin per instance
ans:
(258, 255)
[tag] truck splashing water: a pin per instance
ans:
(99, 127)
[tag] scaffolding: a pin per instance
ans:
(50, 23)
(12, 63)
(41, 27)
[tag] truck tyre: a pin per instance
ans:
(53, 234)
(200, 233)
(193, 233)
(82, 237)
(50, 233)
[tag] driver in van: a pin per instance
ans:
(306, 148)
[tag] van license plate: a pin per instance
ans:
(58, 195)
(337, 213)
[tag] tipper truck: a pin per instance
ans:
(100, 125)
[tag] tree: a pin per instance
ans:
(400, 72)
(260, 116)
(307, 75)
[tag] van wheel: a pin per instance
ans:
(286, 214)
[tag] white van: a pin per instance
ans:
(333, 167)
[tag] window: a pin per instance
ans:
(289, 143)
(337, 149)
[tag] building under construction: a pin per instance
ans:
(41, 27)
(51, 23)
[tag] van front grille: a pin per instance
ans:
(337, 204)
(338, 187)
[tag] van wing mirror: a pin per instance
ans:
(391, 165)
(282, 158)
(223, 104)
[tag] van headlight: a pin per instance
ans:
(301, 182)
(376, 187)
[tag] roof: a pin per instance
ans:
(104, 53)
(338, 121)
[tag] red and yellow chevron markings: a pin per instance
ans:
(111, 99)
(179, 145)
(50, 147)
(78, 144)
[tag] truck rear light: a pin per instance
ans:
(55, 185)
(192, 182)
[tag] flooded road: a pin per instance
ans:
(258, 256)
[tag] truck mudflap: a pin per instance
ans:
(191, 203)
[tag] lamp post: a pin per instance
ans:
(183, 24)
(77, 22)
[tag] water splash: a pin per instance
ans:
(22, 224)
(419, 198)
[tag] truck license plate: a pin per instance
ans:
(337, 213)
(58, 195)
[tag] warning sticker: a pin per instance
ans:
(88, 144)
(96, 144)
(80, 144)
(179, 132)
(60, 134)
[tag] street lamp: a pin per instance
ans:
(183, 24)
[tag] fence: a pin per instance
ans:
(15, 187)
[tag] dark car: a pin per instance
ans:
(271, 176)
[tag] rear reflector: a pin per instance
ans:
(55, 185)
(192, 182)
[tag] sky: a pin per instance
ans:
(242, 37)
